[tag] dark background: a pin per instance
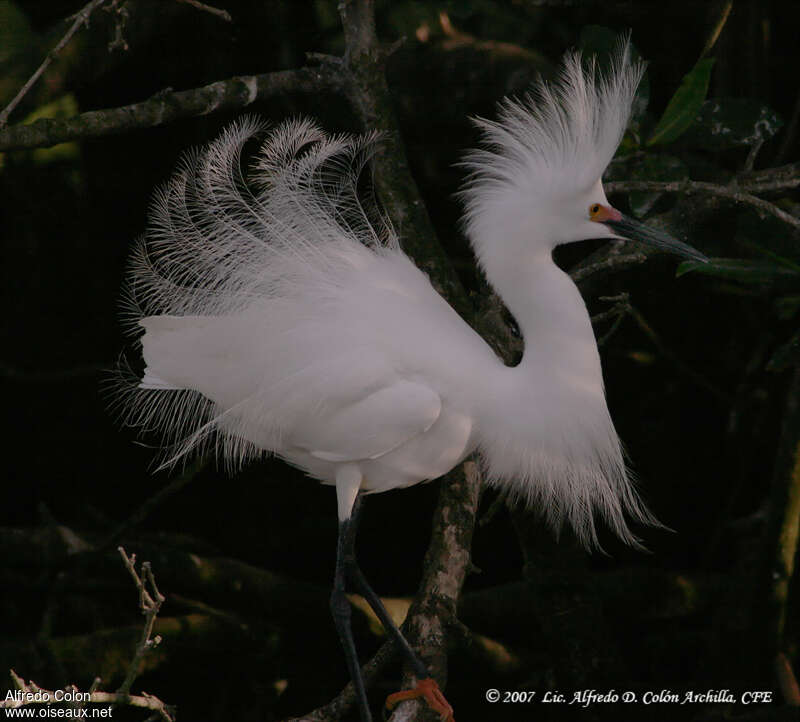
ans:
(699, 412)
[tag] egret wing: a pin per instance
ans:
(371, 426)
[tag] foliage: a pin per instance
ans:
(684, 105)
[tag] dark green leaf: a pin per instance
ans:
(738, 269)
(683, 107)
(772, 255)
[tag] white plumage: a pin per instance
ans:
(281, 315)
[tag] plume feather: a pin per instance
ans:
(223, 244)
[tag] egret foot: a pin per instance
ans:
(428, 689)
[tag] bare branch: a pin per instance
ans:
(777, 178)
(82, 18)
(232, 94)
(689, 187)
(121, 16)
(620, 309)
(446, 565)
(614, 257)
(32, 693)
(358, 23)
(224, 14)
(150, 602)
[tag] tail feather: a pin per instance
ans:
(151, 381)
(229, 260)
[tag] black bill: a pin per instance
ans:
(632, 230)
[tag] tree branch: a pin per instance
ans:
(447, 562)
(689, 187)
(367, 90)
(225, 95)
(779, 177)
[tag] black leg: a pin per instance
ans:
(420, 670)
(354, 573)
(347, 568)
(340, 608)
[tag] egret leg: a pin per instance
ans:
(427, 686)
(340, 609)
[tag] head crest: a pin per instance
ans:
(556, 140)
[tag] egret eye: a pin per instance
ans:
(594, 209)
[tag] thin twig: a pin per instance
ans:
(781, 177)
(688, 187)
(614, 257)
(224, 14)
(81, 18)
(750, 161)
(618, 312)
(121, 16)
(150, 602)
(676, 360)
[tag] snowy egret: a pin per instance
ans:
(281, 315)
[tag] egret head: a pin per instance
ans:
(536, 183)
(602, 220)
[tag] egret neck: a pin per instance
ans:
(545, 423)
(552, 317)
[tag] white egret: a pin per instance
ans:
(280, 315)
